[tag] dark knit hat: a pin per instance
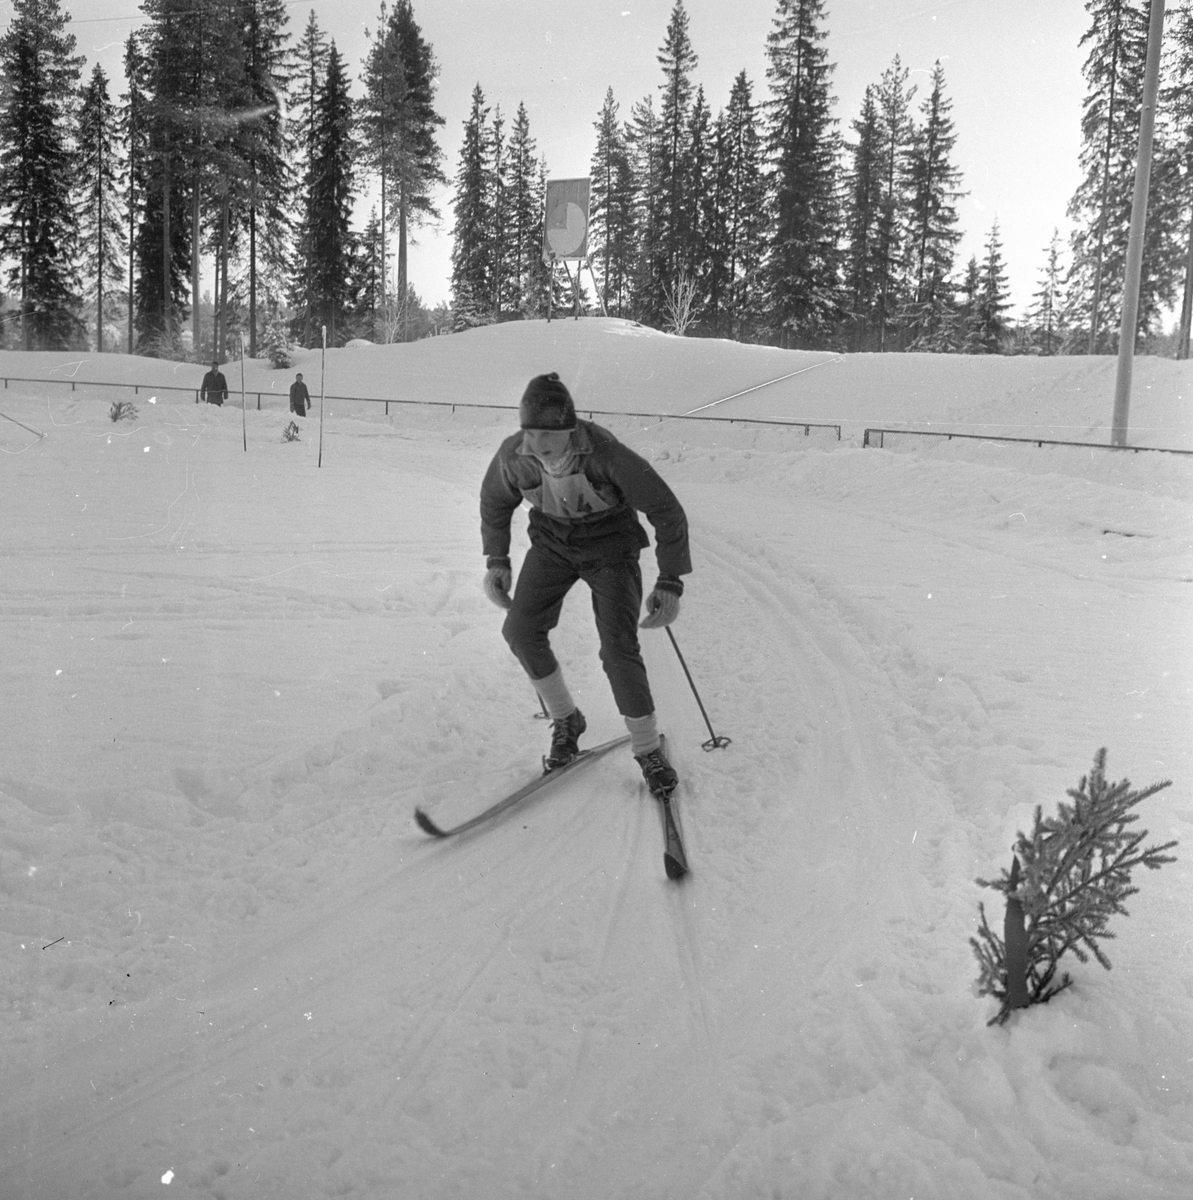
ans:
(547, 404)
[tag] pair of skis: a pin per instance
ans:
(675, 861)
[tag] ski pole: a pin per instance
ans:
(715, 742)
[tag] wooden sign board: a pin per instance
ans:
(565, 229)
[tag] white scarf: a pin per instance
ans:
(564, 464)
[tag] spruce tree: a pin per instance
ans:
(472, 273)
(310, 71)
(40, 72)
(992, 299)
(525, 272)
(895, 132)
(863, 264)
(716, 277)
(1177, 101)
(700, 190)
(219, 109)
(803, 262)
(398, 127)
(1045, 316)
(611, 223)
(267, 149)
(670, 204)
(163, 242)
(419, 161)
(643, 140)
(970, 317)
(932, 233)
(742, 212)
(378, 109)
(134, 126)
(331, 185)
(1101, 206)
(498, 203)
(100, 224)
(366, 314)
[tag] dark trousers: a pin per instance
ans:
(616, 585)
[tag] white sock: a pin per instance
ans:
(555, 695)
(644, 734)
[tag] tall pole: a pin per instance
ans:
(1134, 267)
(244, 433)
(322, 388)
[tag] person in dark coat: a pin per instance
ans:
(214, 388)
(585, 490)
(300, 398)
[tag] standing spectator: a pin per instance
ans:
(215, 387)
(300, 398)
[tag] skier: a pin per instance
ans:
(585, 490)
(214, 389)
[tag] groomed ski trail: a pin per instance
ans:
(435, 995)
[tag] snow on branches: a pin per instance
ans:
(1067, 879)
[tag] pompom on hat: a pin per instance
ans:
(547, 404)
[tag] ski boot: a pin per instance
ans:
(565, 734)
(659, 774)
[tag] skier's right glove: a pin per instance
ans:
(662, 605)
(499, 578)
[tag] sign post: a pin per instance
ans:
(565, 236)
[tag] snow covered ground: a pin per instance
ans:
(232, 967)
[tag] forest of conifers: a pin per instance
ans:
(236, 155)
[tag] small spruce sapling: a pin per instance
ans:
(1067, 879)
(277, 343)
(290, 433)
(122, 410)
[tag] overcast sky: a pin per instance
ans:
(1012, 69)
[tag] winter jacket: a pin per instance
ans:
(300, 398)
(215, 387)
(590, 515)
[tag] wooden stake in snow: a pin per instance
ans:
(1014, 933)
(244, 433)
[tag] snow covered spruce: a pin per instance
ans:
(1067, 879)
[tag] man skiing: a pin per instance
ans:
(585, 490)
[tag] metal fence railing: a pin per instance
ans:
(149, 387)
(877, 437)
(806, 426)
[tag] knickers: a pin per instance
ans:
(616, 584)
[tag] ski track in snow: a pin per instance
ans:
(273, 985)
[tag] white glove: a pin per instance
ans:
(498, 581)
(662, 607)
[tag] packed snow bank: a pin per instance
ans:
(231, 959)
(619, 366)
